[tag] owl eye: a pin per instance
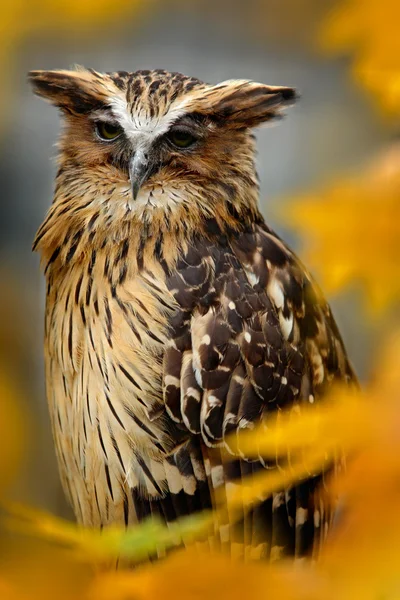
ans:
(107, 131)
(181, 138)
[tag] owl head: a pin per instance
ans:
(154, 143)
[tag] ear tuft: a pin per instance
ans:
(242, 103)
(289, 94)
(76, 92)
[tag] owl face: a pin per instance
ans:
(160, 138)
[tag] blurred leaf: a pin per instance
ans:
(8, 591)
(363, 553)
(370, 30)
(36, 572)
(193, 575)
(351, 231)
(361, 556)
(315, 426)
(134, 543)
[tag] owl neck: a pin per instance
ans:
(158, 230)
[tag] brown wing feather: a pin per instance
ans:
(252, 335)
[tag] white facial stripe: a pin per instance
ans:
(102, 115)
(139, 127)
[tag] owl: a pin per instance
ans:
(176, 319)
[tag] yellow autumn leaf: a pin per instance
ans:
(8, 591)
(192, 575)
(370, 30)
(315, 426)
(35, 571)
(350, 231)
(363, 552)
(92, 545)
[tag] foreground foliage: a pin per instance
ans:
(359, 561)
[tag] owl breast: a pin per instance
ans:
(104, 370)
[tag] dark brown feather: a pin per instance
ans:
(256, 319)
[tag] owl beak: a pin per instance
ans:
(139, 171)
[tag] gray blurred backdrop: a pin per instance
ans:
(332, 130)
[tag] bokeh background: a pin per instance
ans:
(332, 133)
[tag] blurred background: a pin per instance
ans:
(333, 132)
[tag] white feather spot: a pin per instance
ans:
(245, 424)
(171, 380)
(283, 381)
(278, 500)
(197, 375)
(276, 293)
(206, 340)
(286, 325)
(173, 477)
(230, 418)
(213, 401)
(189, 485)
(247, 337)
(198, 469)
(194, 393)
(232, 305)
(301, 516)
(252, 277)
(311, 399)
(208, 435)
(217, 476)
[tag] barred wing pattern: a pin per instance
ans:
(253, 335)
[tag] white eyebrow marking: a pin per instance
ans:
(102, 115)
(140, 125)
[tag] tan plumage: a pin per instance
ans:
(174, 315)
